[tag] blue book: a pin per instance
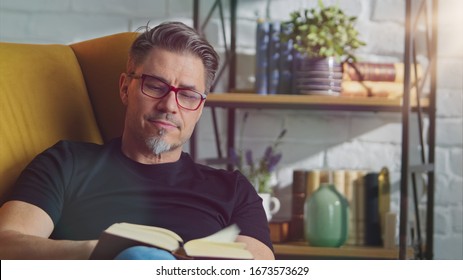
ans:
(262, 39)
(285, 63)
(273, 58)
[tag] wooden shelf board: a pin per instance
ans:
(320, 102)
(301, 249)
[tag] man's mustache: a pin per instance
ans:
(164, 117)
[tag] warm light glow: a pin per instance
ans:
(451, 27)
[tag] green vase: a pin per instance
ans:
(326, 217)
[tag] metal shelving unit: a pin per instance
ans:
(416, 12)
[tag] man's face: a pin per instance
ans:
(162, 121)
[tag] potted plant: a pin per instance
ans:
(322, 39)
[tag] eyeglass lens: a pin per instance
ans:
(157, 88)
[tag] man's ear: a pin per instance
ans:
(123, 88)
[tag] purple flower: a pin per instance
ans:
(234, 157)
(272, 163)
(268, 154)
(258, 172)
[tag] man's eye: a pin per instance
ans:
(154, 87)
(188, 94)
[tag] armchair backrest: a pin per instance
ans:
(54, 92)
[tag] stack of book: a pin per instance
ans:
(369, 79)
(368, 195)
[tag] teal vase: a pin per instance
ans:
(326, 217)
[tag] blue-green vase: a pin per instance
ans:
(326, 217)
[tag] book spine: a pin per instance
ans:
(389, 238)
(262, 43)
(296, 229)
(273, 58)
(360, 208)
(368, 71)
(350, 180)
(384, 198)
(313, 180)
(372, 217)
(339, 181)
(374, 89)
(285, 63)
(279, 231)
(379, 72)
(324, 176)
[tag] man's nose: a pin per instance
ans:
(168, 103)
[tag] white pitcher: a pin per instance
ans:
(271, 204)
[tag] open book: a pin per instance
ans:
(220, 245)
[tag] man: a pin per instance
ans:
(73, 191)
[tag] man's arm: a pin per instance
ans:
(24, 232)
(258, 249)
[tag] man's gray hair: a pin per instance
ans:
(179, 38)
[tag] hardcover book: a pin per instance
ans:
(351, 176)
(279, 231)
(360, 208)
(372, 214)
(219, 245)
(285, 63)
(273, 58)
(355, 195)
(389, 90)
(385, 72)
(384, 199)
(339, 181)
(262, 44)
(296, 226)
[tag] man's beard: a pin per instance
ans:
(157, 144)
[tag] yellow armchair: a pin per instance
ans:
(54, 92)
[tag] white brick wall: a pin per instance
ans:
(349, 140)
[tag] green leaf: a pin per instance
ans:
(323, 31)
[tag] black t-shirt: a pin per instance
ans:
(85, 188)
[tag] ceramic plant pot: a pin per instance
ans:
(317, 76)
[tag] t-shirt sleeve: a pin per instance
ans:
(249, 213)
(43, 182)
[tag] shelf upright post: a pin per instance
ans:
(194, 138)
(232, 70)
(200, 28)
(403, 222)
(231, 80)
(196, 14)
(429, 254)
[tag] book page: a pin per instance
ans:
(202, 248)
(157, 229)
(220, 245)
(155, 237)
(227, 234)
